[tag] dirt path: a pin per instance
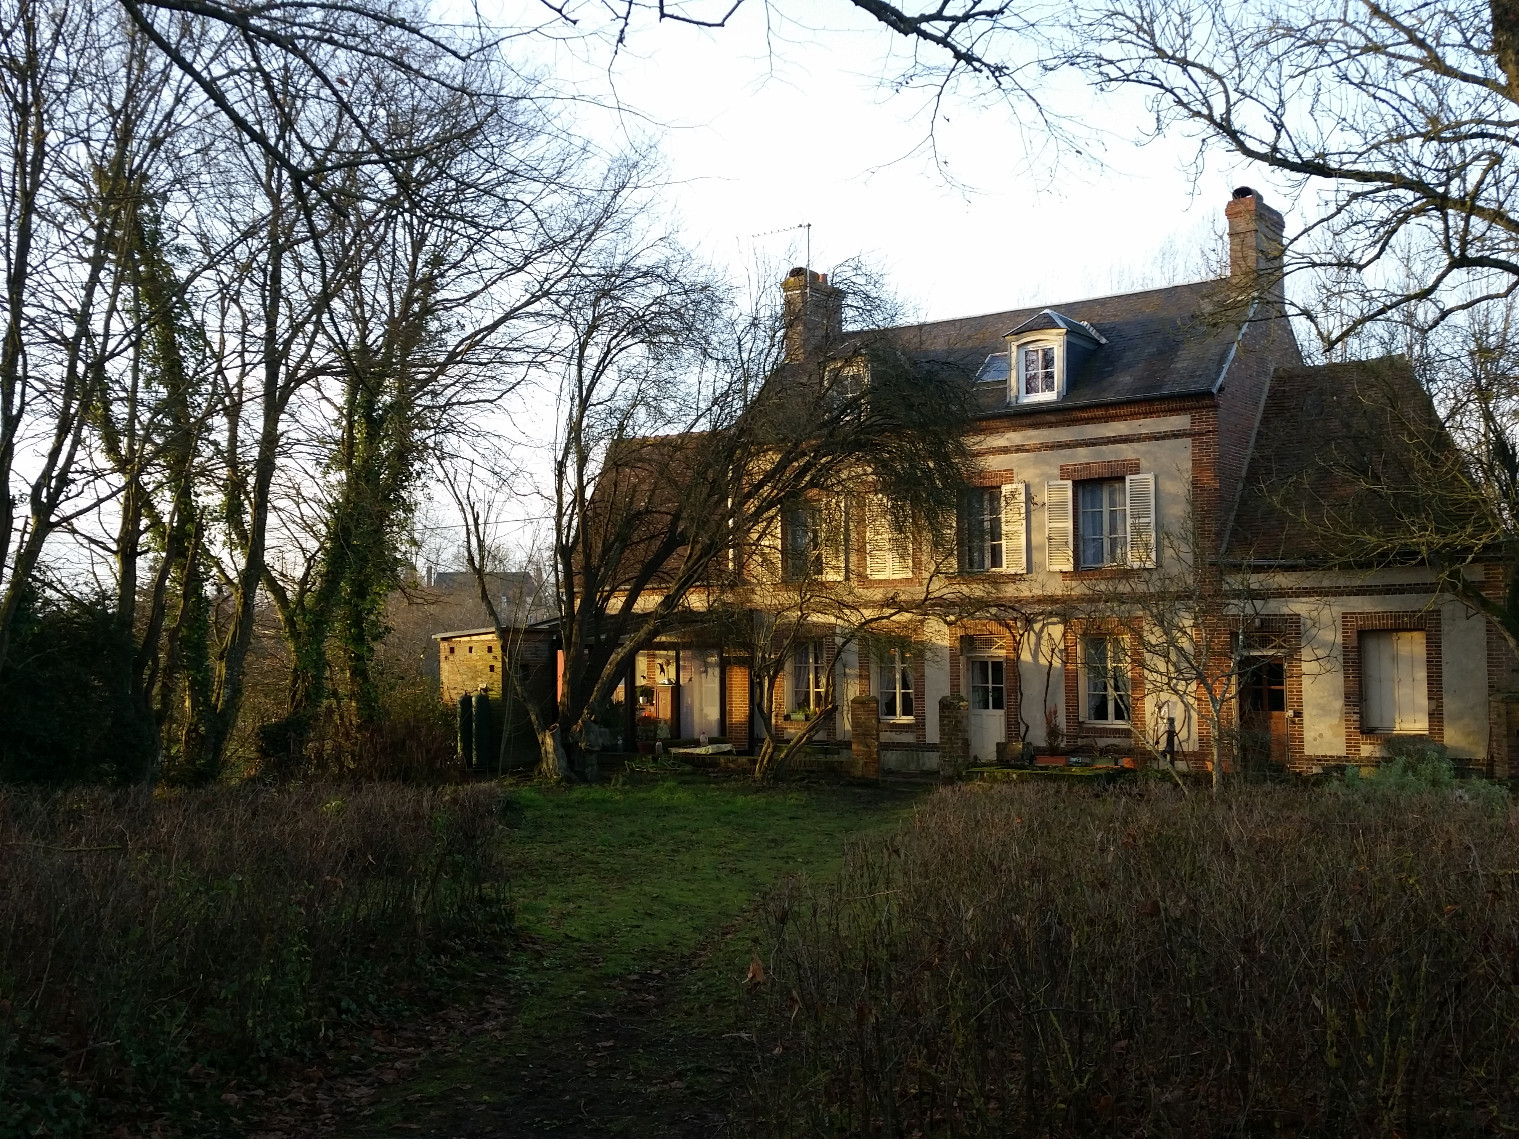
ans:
(630, 1068)
(618, 1006)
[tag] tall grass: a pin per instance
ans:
(141, 936)
(1044, 961)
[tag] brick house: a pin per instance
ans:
(1102, 426)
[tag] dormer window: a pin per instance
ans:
(1047, 353)
(1038, 369)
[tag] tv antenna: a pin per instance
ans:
(806, 225)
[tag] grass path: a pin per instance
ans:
(618, 1014)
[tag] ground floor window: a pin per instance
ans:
(809, 677)
(1394, 682)
(1107, 679)
(896, 687)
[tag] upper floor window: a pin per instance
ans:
(814, 542)
(1102, 522)
(981, 513)
(1037, 371)
(896, 687)
(1092, 523)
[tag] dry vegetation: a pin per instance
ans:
(1033, 961)
(145, 937)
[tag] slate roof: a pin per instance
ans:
(1160, 343)
(1336, 447)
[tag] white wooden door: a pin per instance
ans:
(988, 703)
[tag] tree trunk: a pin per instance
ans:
(553, 764)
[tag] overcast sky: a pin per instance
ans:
(756, 142)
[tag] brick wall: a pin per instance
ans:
(737, 727)
(864, 741)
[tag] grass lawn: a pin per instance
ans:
(635, 905)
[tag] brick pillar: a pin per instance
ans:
(865, 735)
(954, 736)
(1503, 735)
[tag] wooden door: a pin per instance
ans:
(1263, 712)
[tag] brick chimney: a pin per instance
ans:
(1255, 242)
(814, 312)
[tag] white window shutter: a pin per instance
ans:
(1411, 690)
(1058, 528)
(877, 538)
(901, 549)
(765, 560)
(1015, 527)
(832, 515)
(1141, 509)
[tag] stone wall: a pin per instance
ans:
(954, 736)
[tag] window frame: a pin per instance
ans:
(1413, 726)
(992, 551)
(1018, 361)
(898, 669)
(1111, 673)
(814, 557)
(815, 668)
(1115, 544)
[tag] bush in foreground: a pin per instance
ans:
(142, 936)
(1040, 961)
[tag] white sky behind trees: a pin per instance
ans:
(765, 124)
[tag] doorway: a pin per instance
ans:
(1263, 713)
(988, 703)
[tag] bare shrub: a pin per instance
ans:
(1037, 961)
(141, 935)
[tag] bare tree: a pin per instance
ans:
(1399, 117)
(685, 431)
(778, 611)
(1189, 621)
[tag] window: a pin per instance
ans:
(988, 691)
(1102, 523)
(846, 381)
(809, 677)
(981, 511)
(896, 687)
(1394, 684)
(1037, 372)
(1107, 679)
(814, 542)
